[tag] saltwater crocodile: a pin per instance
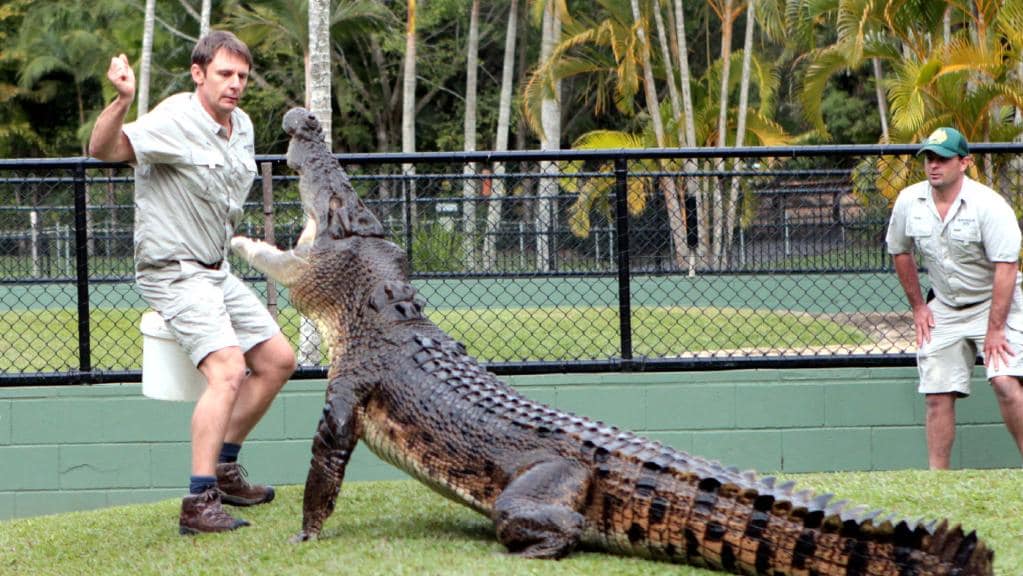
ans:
(549, 480)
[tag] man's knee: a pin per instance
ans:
(939, 404)
(274, 358)
(1007, 388)
(224, 367)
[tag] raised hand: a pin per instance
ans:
(122, 76)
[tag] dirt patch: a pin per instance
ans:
(890, 332)
(886, 332)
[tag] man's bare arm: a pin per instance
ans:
(108, 142)
(905, 269)
(923, 320)
(1001, 294)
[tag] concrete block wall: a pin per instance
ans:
(73, 448)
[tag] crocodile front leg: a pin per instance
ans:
(284, 267)
(536, 516)
(336, 436)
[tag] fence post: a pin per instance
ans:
(82, 271)
(622, 229)
(33, 222)
(268, 231)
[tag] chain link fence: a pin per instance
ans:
(537, 261)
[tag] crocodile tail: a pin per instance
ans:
(763, 528)
(651, 500)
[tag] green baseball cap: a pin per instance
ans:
(946, 142)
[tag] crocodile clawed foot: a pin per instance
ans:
(546, 532)
(547, 549)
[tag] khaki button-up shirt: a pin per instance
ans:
(191, 181)
(959, 252)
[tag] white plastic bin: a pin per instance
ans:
(167, 372)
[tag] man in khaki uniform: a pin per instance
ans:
(194, 167)
(970, 243)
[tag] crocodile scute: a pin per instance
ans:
(550, 481)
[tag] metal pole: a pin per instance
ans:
(82, 270)
(268, 231)
(33, 222)
(522, 246)
(622, 229)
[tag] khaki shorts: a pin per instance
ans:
(206, 310)
(946, 362)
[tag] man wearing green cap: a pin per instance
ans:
(969, 239)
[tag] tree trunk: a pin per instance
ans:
(145, 62)
(408, 108)
(882, 100)
(676, 220)
(470, 185)
(692, 185)
(204, 18)
(726, 56)
(382, 132)
(676, 105)
(550, 139)
(318, 81)
(740, 132)
(521, 129)
(318, 99)
(497, 188)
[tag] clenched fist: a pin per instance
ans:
(122, 76)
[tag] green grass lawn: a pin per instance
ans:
(402, 528)
(47, 340)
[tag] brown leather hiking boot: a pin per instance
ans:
(203, 513)
(236, 489)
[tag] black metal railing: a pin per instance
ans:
(563, 261)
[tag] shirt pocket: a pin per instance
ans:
(207, 171)
(921, 228)
(965, 240)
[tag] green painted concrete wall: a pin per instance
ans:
(74, 448)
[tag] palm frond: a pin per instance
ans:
(907, 91)
(824, 64)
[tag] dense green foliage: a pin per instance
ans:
(811, 72)
(403, 528)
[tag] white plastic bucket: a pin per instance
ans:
(167, 372)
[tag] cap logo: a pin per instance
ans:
(937, 137)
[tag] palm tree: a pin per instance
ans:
(866, 32)
(204, 17)
(740, 133)
(318, 99)
(497, 189)
(318, 75)
(673, 204)
(67, 38)
(615, 55)
(408, 107)
(967, 80)
(282, 26)
(470, 186)
(145, 63)
(760, 130)
(727, 14)
(550, 131)
(687, 119)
